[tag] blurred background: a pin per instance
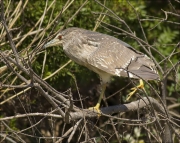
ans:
(156, 24)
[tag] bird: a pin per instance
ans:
(105, 55)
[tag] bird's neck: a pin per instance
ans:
(78, 50)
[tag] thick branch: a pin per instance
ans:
(136, 105)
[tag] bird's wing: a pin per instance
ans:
(114, 57)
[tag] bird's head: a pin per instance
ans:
(57, 41)
(62, 37)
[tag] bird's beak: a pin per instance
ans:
(54, 42)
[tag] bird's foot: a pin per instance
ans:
(96, 108)
(140, 86)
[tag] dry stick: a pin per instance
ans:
(177, 1)
(99, 19)
(32, 126)
(174, 114)
(167, 12)
(115, 16)
(7, 9)
(168, 58)
(82, 130)
(165, 118)
(55, 21)
(69, 131)
(173, 106)
(176, 132)
(32, 115)
(16, 11)
(41, 35)
(149, 132)
(172, 6)
(74, 130)
(137, 15)
(10, 67)
(63, 129)
(30, 32)
(170, 70)
(160, 21)
(19, 37)
(4, 136)
(8, 74)
(12, 82)
(4, 68)
(75, 13)
(67, 63)
(33, 29)
(99, 128)
(110, 96)
(75, 81)
(13, 132)
(9, 34)
(49, 25)
(44, 62)
(114, 128)
(167, 134)
(50, 100)
(15, 86)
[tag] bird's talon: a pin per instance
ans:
(133, 88)
(140, 86)
(96, 108)
(130, 94)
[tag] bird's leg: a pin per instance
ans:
(99, 100)
(140, 86)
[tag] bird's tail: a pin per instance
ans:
(141, 67)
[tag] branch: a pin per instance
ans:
(136, 105)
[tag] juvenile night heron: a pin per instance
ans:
(105, 55)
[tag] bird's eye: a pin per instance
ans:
(60, 37)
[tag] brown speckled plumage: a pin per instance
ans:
(104, 54)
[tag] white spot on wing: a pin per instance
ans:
(104, 66)
(130, 74)
(147, 57)
(117, 72)
(128, 62)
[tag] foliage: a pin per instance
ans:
(161, 35)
